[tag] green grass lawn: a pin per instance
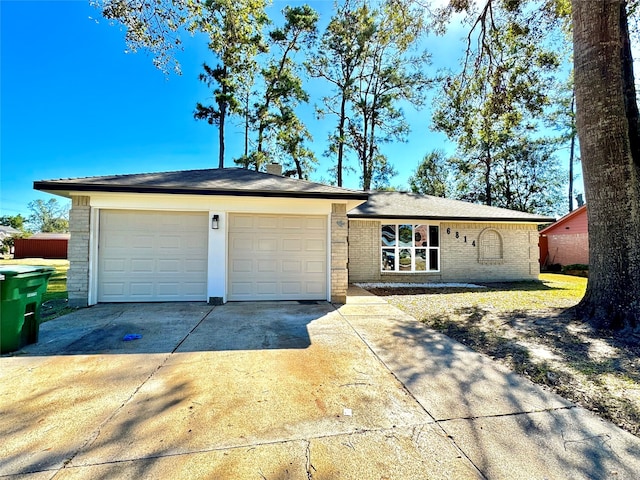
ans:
(551, 291)
(55, 297)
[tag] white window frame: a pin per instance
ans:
(412, 248)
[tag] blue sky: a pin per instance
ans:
(73, 104)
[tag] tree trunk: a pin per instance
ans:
(298, 164)
(572, 150)
(246, 127)
(343, 116)
(606, 125)
(221, 141)
(223, 115)
(488, 200)
(222, 107)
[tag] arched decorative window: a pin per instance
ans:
(491, 249)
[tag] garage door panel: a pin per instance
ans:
(265, 266)
(315, 267)
(315, 245)
(116, 241)
(240, 289)
(141, 288)
(240, 222)
(144, 242)
(314, 288)
(114, 265)
(292, 245)
(195, 288)
(242, 266)
(198, 245)
(168, 289)
(152, 256)
(238, 244)
(291, 288)
(292, 266)
(267, 288)
(142, 266)
(169, 242)
(195, 266)
(265, 222)
(315, 223)
(267, 245)
(293, 223)
(111, 289)
(169, 266)
(277, 257)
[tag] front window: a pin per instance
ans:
(410, 248)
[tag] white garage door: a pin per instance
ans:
(277, 257)
(148, 256)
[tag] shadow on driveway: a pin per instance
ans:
(178, 327)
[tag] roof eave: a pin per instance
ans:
(536, 220)
(65, 188)
(561, 221)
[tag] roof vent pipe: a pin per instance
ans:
(274, 169)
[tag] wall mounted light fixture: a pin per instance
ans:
(214, 222)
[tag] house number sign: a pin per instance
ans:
(464, 237)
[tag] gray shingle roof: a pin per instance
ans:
(227, 181)
(9, 230)
(397, 205)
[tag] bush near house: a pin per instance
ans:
(576, 269)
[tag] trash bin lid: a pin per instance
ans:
(13, 270)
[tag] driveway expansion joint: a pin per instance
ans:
(509, 414)
(96, 433)
(436, 422)
(204, 317)
(227, 448)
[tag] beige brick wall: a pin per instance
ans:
(339, 253)
(78, 252)
(363, 250)
(459, 260)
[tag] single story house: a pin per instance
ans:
(566, 242)
(42, 245)
(233, 234)
(404, 237)
(6, 231)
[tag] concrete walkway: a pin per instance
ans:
(505, 425)
(284, 391)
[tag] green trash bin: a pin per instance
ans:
(21, 290)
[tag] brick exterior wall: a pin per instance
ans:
(567, 249)
(339, 253)
(460, 261)
(566, 241)
(78, 252)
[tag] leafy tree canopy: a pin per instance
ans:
(49, 216)
(432, 175)
(14, 221)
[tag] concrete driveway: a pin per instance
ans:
(283, 390)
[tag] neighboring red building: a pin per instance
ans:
(42, 245)
(566, 242)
